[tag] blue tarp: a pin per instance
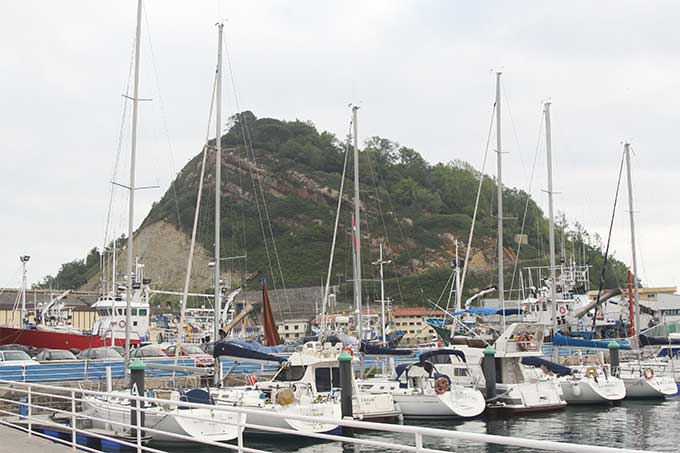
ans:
(563, 340)
(556, 368)
(429, 354)
(259, 347)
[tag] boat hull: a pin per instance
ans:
(55, 340)
(656, 387)
(587, 391)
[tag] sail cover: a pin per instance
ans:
(238, 352)
(658, 341)
(563, 340)
(375, 349)
(270, 332)
(538, 362)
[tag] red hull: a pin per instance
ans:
(55, 340)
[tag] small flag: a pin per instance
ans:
(252, 380)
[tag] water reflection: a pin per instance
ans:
(632, 424)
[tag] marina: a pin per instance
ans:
(300, 290)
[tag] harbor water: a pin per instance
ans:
(644, 425)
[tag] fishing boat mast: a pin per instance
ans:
(131, 187)
(218, 189)
(551, 216)
(357, 228)
(499, 159)
(631, 212)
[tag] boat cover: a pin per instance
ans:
(236, 351)
(563, 340)
(376, 349)
(429, 354)
(658, 341)
(538, 362)
(489, 311)
(258, 347)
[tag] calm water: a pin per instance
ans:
(633, 424)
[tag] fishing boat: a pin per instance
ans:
(421, 389)
(52, 326)
(200, 424)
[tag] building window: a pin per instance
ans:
(286, 327)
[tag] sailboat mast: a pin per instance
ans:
(551, 216)
(357, 227)
(131, 199)
(501, 286)
(218, 184)
(631, 210)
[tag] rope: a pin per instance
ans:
(479, 192)
(526, 207)
(609, 237)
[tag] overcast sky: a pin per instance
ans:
(422, 72)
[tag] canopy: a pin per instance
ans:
(563, 340)
(538, 362)
(427, 366)
(236, 351)
(439, 352)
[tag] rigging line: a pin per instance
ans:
(190, 259)
(324, 301)
(402, 236)
(249, 144)
(526, 206)
(609, 237)
(164, 121)
(479, 192)
(514, 128)
(378, 181)
(119, 147)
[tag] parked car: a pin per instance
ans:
(99, 353)
(30, 350)
(10, 358)
(149, 351)
(194, 351)
(50, 355)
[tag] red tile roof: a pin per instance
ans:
(412, 311)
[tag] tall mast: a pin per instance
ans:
(636, 295)
(380, 263)
(24, 283)
(553, 277)
(218, 184)
(357, 226)
(501, 286)
(459, 293)
(131, 199)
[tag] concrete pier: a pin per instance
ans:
(14, 440)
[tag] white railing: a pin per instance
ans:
(30, 419)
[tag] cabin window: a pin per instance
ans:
(134, 311)
(142, 312)
(327, 378)
(120, 311)
(291, 373)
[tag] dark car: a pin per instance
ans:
(99, 353)
(148, 351)
(49, 355)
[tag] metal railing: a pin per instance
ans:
(29, 420)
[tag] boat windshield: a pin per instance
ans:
(290, 374)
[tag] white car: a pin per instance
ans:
(12, 358)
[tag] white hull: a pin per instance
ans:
(656, 387)
(588, 391)
(216, 426)
(529, 397)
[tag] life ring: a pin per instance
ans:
(349, 350)
(285, 397)
(563, 310)
(121, 324)
(591, 372)
(441, 385)
(648, 373)
(524, 341)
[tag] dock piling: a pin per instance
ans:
(136, 368)
(489, 368)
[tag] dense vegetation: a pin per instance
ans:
(408, 203)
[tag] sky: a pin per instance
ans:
(422, 72)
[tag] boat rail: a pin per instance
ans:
(25, 414)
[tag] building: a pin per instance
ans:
(79, 302)
(293, 329)
(646, 294)
(412, 321)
